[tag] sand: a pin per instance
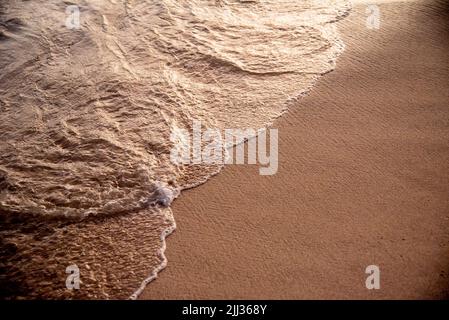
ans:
(363, 180)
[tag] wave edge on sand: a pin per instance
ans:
(91, 140)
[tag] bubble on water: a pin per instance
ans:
(162, 196)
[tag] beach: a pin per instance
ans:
(118, 126)
(102, 103)
(363, 180)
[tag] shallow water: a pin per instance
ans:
(86, 116)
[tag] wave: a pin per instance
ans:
(87, 113)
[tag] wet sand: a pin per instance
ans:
(363, 179)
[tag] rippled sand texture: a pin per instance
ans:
(86, 117)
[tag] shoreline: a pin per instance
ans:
(216, 256)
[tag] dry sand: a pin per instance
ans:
(363, 179)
